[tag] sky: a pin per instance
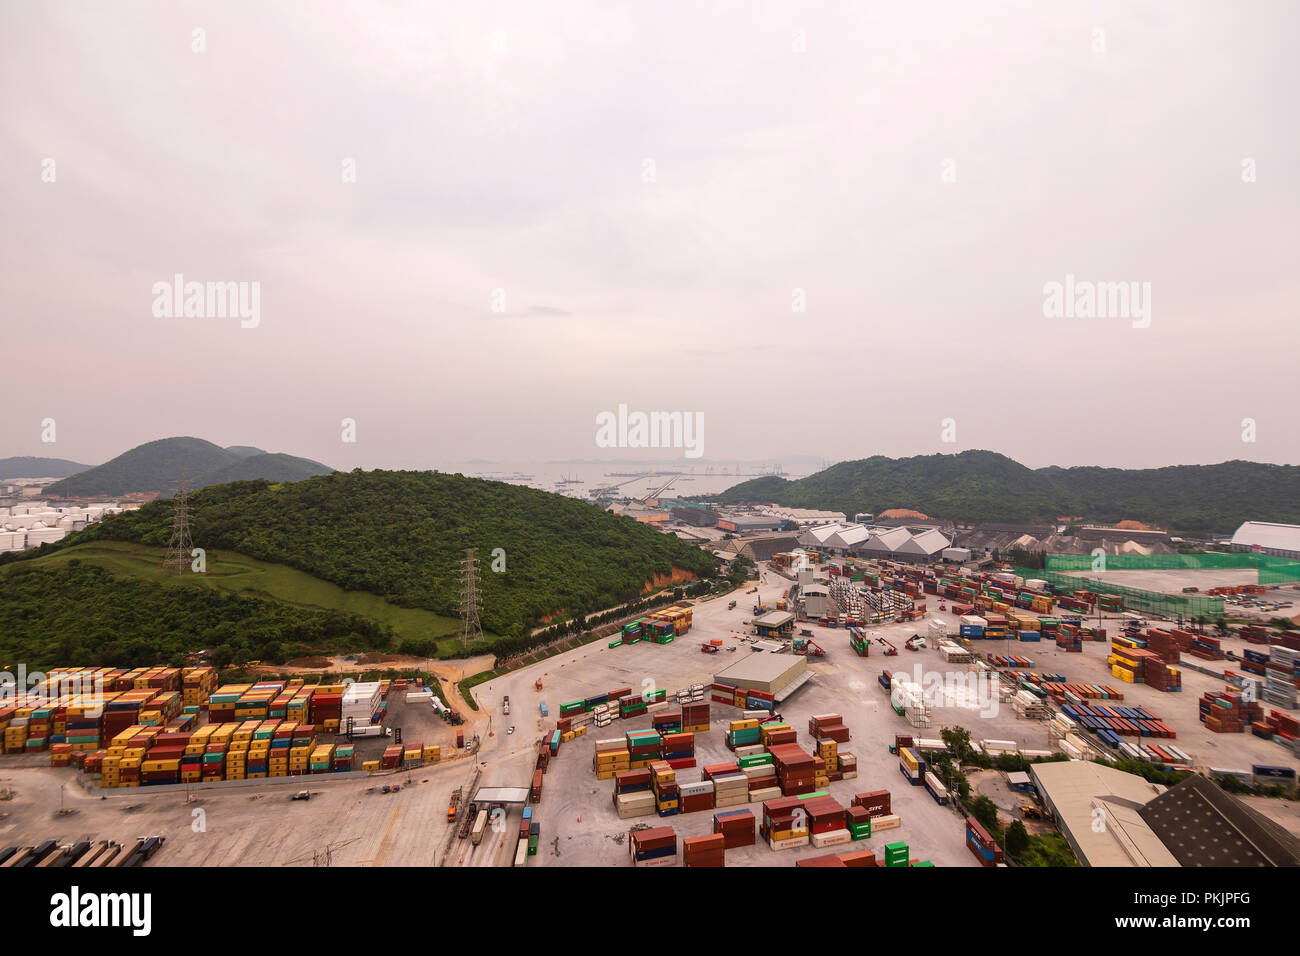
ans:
(820, 229)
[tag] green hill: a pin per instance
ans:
(80, 613)
(155, 466)
(28, 467)
(400, 536)
(415, 630)
(265, 466)
(985, 486)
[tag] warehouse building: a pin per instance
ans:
(1282, 540)
(922, 548)
(806, 516)
(762, 547)
(774, 624)
(777, 674)
(883, 543)
(1202, 825)
(847, 538)
(695, 515)
(816, 537)
(816, 599)
(748, 524)
(1097, 809)
(1120, 536)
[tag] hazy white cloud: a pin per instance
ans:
(643, 188)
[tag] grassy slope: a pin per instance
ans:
(240, 574)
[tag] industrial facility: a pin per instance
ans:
(905, 545)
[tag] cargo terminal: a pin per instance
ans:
(1071, 682)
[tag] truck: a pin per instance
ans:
(505, 705)
(480, 826)
(454, 806)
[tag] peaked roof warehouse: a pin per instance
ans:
(817, 537)
(926, 543)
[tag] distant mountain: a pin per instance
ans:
(244, 451)
(155, 466)
(28, 467)
(985, 486)
(270, 467)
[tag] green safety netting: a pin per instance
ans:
(1272, 569)
(1148, 602)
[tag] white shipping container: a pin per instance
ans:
(993, 745)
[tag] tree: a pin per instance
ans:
(1017, 839)
(986, 812)
(957, 740)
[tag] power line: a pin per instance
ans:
(471, 601)
(180, 546)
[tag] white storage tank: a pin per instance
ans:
(40, 535)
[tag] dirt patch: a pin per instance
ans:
(678, 576)
(1130, 525)
(373, 658)
(339, 665)
(902, 513)
(316, 663)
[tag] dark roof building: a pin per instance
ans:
(693, 515)
(762, 548)
(943, 524)
(1202, 825)
(1035, 530)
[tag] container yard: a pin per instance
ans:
(644, 734)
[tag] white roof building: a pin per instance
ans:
(1283, 539)
(818, 536)
(850, 536)
(890, 540)
(925, 544)
(805, 515)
